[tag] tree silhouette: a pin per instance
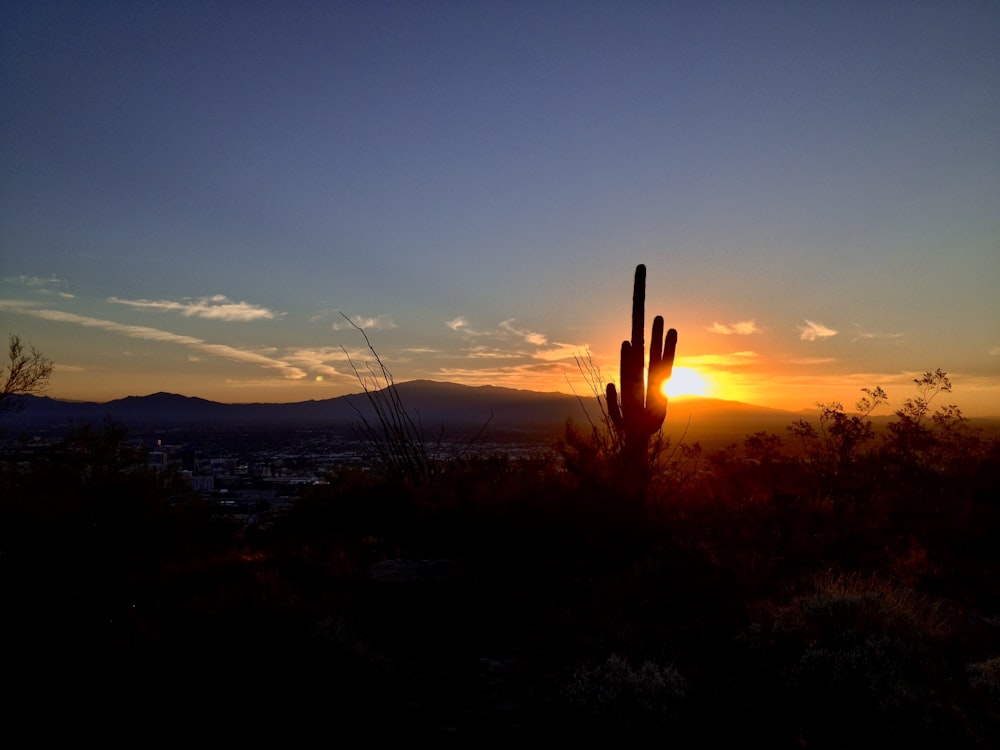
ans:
(28, 372)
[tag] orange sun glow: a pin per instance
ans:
(686, 382)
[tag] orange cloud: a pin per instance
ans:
(812, 331)
(742, 328)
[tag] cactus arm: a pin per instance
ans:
(656, 400)
(614, 410)
(661, 367)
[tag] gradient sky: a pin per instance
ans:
(194, 194)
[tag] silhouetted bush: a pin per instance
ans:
(862, 662)
(615, 698)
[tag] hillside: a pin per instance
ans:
(431, 403)
(434, 406)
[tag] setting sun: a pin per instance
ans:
(686, 382)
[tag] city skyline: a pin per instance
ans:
(211, 199)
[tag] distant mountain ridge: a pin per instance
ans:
(448, 409)
(432, 404)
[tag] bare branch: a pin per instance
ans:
(27, 373)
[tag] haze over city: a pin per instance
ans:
(202, 198)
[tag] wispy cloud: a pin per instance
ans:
(368, 323)
(461, 325)
(812, 361)
(539, 346)
(487, 352)
(22, 306)
(732, 359)
(812, 331)
(33, 281)
(43, 285)
(872, 336)
(145, 333)
(559, 352)
(995, 351)
(742, 328)
(852, 382)
(511, 341)
(533, 375)
(319, 360)
(216, 307)
(532, 337)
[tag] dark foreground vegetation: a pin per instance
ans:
(825, 588)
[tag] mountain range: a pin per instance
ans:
(432, 405)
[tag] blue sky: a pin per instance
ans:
(193, 195)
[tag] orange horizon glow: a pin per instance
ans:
(687, 381)
(776, 390)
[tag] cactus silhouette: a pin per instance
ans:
(640, 411)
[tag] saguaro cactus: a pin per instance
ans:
(643, 406)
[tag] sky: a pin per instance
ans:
(206, 198)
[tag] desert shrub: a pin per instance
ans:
(984, 676)
(860, 660)
(837, 452)
(616, 696)
(983, 707)
(592, 463)
(630, 463)
(590, 454)
(926, 455)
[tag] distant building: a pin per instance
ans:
(200, 483)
